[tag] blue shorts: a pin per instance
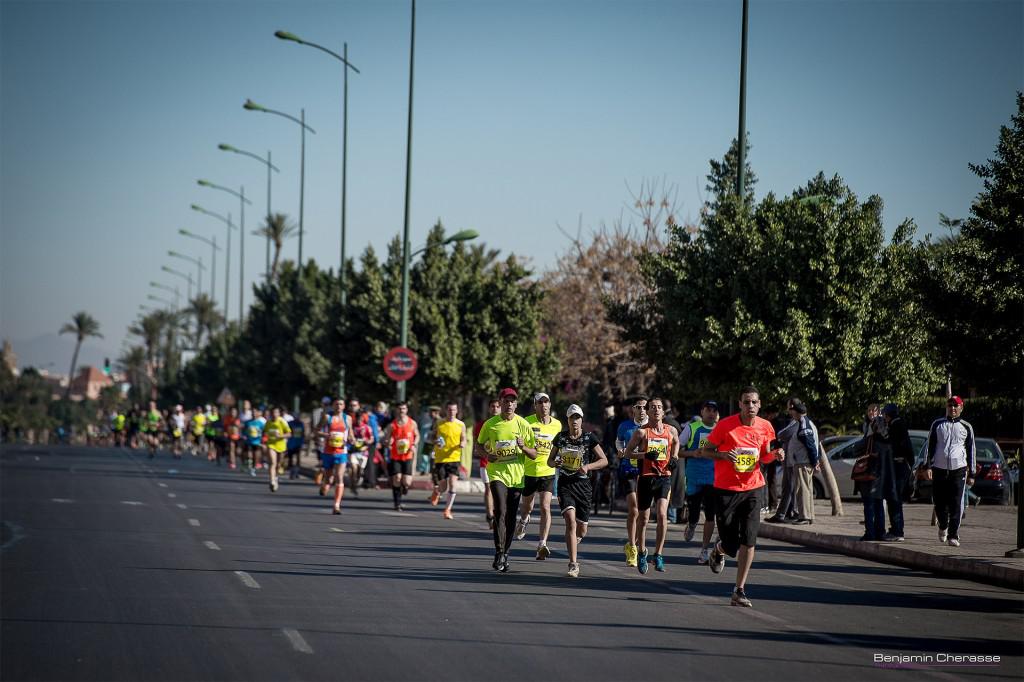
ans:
(341, 458)
(326, 461)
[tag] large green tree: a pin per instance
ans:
(975, 285)
(799, 295)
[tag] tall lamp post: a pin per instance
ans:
(187, 278)
(173, 290)
(270, 167)
(742, 136)
(169, 304)
(252, 106)
(346, 65)
(404, 331)
(227, 256)
(241, 242)
(460, 236)
(198, 262)
(213, 253)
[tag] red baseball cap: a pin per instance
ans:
(508, 393)
(956, 399)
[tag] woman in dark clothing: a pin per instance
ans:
(873, 493)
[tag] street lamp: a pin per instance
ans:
(742, 137)
(197, 261)
(460, 236)
(213, 254)
(227, 257)
(151, 297)
(241, 242)
(346, 65)
(173, 290)
(270, 167)
(178, 273)
(404, 332)
(252, 106)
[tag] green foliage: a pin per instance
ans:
(974, 287)
(799, 295)
(24, 402)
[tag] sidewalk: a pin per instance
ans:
(986, 533)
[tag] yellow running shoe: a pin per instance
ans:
(631, 554)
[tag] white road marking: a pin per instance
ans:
(339, 530)
(62, 500)
(182, 506)
(171, 495)
(193, 522)
(172, 471)
(210, 544)
(298, 643)
(133, 503)
(162, 485)
(397, 513)
(37, 459)
(247, 580)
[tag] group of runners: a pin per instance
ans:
(525, 463)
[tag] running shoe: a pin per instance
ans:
(630, 551)
(521, 528)
(252, 472)
(448, 514)
(497, 560)
(435, 497)
(943, 535)
(659, 563)
(703, 558)
(323, 490)
(401, 508)
(716, 561)
(641, 562)
(273, 486)
(739, 598)
(336, 512)
(574, 570)
(503, 564)
(690, 530)
(543, 553)
(954, 542)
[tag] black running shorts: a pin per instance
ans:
(574, 492)
(738, 516)
(651, 488)
(403, 467)
(534, 484)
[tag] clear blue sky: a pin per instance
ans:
(528, 115)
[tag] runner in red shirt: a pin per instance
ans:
(401, 437)
(739, 444)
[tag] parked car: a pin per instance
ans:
(842, 458)
(992, 480)
(833, 442)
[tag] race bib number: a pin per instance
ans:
(273, 432)
(402, 445)
(572, 458)
(703, 443)
(659, 446)
(544, 442)
(177, 433)
(254, 432)
(506, 450)
(337, 439)
(746, 460)
(360, 443)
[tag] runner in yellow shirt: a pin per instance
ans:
(277, 432)
(449, 438)
(540, 478)
(508, 440)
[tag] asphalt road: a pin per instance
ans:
(115, 567)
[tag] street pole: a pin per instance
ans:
(266, 271)
(213, 271)
(742, 136)
(302, 183)
(241, 261)
(404, 331)
(227, 270)
(344, 168)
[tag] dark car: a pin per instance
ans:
(992, 480)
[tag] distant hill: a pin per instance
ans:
(42, 350)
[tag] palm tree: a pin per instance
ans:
(134, 363)
(276, 229)
(82, 325)
(149, 328)
(204, 310)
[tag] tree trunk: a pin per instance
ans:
(74, 361)
(830, 480)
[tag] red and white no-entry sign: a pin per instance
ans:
(400, 364)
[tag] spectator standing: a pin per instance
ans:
(902, 460)
(802, 461)
(951, 464)
(873, 492)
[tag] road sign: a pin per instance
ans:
(400, 364)
(226, 398)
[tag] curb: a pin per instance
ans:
(891, 553)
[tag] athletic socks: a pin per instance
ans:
(396, 493)
(451, 499)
